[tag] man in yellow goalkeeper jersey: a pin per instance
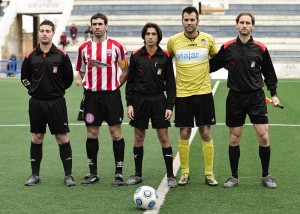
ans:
(194, 105)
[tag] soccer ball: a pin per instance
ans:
(145, 197)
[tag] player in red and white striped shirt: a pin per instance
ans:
(103, 66)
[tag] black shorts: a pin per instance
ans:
(238, 105)
(198, 108)
(52, 112)
(152, 107)
(103, 106)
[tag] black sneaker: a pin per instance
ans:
(80, 116)
(32, 180)
(69, 181)
(90, 179)
(118, 181)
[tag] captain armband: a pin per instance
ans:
(123, 64)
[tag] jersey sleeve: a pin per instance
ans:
(80, 63)
(213, 48)
(169, 47)
(217, 61)
(26, 73)
(269, 74)
(170, 84)
(68, 75)
(130, 81)
(121, 51)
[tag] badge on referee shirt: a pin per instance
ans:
(252, 64)
(54, 70)
(159, 71)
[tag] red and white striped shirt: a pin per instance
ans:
(99, 61)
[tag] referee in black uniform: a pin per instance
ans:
(150, 75)
(47, 72)
(247, 61)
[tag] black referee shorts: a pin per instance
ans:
(239, 104)
(151, 107)
(103, 106)
(52, 112)
(194, 110)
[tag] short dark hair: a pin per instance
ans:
(48, 22)
(190, 10)
(245, 14)
(158, 31)
(101, 16)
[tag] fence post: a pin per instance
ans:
(199, 7)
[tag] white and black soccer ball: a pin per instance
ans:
(145, 197)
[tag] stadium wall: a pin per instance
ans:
(283, 71)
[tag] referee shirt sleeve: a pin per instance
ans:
(67, 72)
(25, 73)
(269, 74)
(130, 81)
(217, 61)
(170, 85)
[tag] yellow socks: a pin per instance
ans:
(184, 152)
(208, 153)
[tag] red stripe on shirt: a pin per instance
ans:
(261, 45)
(229, 43)
(99, 69)
(89, 69)
(109, 69)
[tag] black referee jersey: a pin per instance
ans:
(47, 75)
(246, 63)
(151, 76)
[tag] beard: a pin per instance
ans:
(190, 29)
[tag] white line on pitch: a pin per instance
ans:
(163, 188)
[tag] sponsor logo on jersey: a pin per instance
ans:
(192, 55)
(109, 52)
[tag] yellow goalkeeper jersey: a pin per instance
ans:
(192, 63)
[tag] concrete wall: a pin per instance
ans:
(27, 43)
(13, 41)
